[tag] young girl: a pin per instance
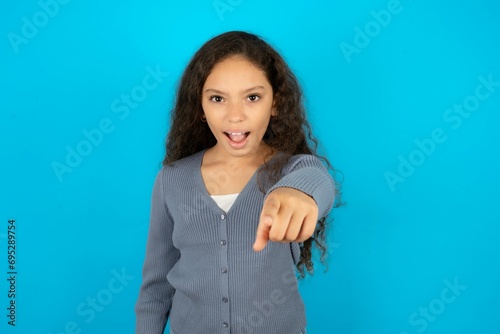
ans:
(235, 206)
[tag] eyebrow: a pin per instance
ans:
(245, 91)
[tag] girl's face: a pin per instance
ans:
(237, 101)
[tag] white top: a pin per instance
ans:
(225, 201)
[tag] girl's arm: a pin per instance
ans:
(292, 206)
(155, 295)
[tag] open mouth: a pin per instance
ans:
(237, 137)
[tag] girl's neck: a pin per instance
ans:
(218, 156)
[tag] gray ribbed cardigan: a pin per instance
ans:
(200, 269)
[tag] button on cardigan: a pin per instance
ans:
(200, 269)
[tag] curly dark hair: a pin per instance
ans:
(288, 132)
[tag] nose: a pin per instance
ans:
(235, 111)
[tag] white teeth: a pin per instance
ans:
(237, 137)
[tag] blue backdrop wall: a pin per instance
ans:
(403, 95)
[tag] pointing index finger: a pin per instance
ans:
(267, 217)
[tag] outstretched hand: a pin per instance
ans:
(288, 215)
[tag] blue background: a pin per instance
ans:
(395, 247)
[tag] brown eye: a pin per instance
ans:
(216, 98)
(254, 98)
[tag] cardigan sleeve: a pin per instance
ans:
(306, 173)
(155, 295)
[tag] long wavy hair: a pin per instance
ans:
(288, 132)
